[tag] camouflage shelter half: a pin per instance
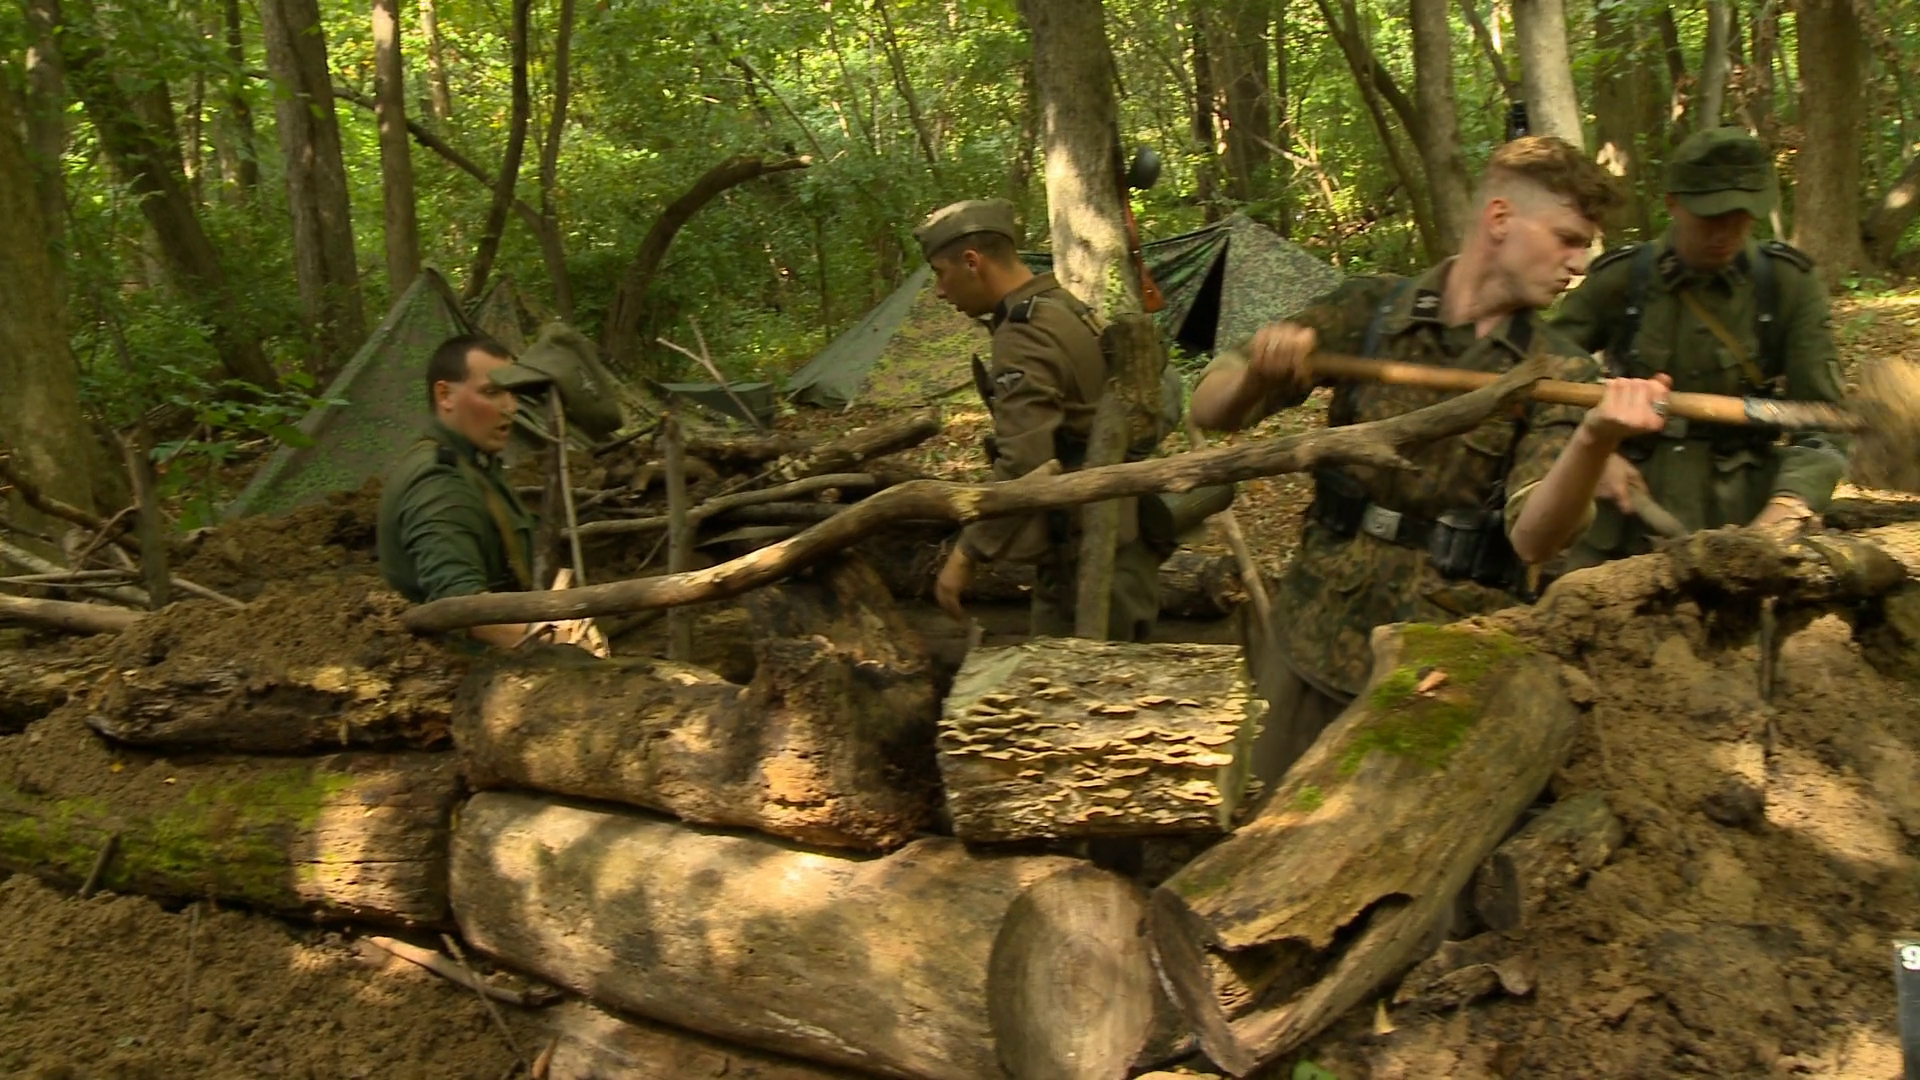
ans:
(1221, 282)
(385, 397)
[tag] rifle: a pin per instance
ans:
(1138, 176)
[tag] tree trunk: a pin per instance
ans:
(1438, 134)
(239, 161)
(1064, 738)
(922, 964)
(1895, 211)
(350, 836)
(1359, 854)
(440, 93)
(1020, 177)
(1622, 82)
(148, 159)
(40, 412)
(1205, 93)
(1371, 79)
(1074, 70)
(396, 158)
(594, 1045)
(897, 64)
(1283, 121)
(622, 336)
(1240, 66)
(552, 246)
(1546, 71)
(1550, 855)
(1760, 109)
(309, 131)
(46, 127)
(1679, 83)
(1715, 64)
(509, 178)
(830, 744)
(1826, 211)
(1484, 38)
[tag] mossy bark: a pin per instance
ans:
(348, 836)
(1334, 886)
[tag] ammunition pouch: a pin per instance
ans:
(1461, 544)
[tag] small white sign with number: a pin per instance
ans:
(1910, 955)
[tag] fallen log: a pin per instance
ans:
(726, 504)
(893, 965)
(33, 683)
(1063, 737)
(1373, 444)
(1359, 855)
(74, 618)
(831, 743)
(857, 447)
(1198, 586)
(595, 1045)
(1553, 852)
(350, 836)
(719, 449)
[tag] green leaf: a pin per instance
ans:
(288, 435)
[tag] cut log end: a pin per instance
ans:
(1073, 986)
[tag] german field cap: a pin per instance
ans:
(950, 223)
(1720, 170)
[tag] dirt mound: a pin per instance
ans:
(1744, 929)
(119, 987)
(241, 557)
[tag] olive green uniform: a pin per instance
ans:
(1367, 553)
(1758, 327)
(450, 524)
(1042, 386)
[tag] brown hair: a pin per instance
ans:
(1557, 167)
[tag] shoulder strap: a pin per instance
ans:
(1377, 326)
(1766, 310)
(517, 561)
(1639, 278)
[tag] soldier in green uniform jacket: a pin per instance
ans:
(1042, 386)
(450, 524)
(1453, 538)
(1719, 314)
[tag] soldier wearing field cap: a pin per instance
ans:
(1041, 385)
(1720, 314)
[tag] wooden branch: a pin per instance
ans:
(31, 494)
(679, 535)
(722, 504)
(1100, 522)
(1375, 444)
(726, 385)
(28, 560)
(452, 972)
(446, 151)
(153, 545)
(496, 222)
(623, 322)
(66, 615)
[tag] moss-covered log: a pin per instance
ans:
(831, 743)
(1361, 851)
(361, 836)
(1064, 737)
(932, 963)
(34, 682)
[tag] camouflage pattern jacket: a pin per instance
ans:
(1337, 589)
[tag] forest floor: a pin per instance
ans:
(1730, 936)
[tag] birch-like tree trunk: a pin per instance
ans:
(1437, 135)
(396, 156)
(439, 91)
(1546, 70)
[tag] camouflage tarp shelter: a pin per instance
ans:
(1221, 282)
(385, 395)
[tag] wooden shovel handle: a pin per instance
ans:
(1766, 413)
(1705, 408)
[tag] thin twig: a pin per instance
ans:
(454, 973)
(473, 980)
(566, 492)
(721, 504)
(205, 593)
(745, 413)
(99, 865)
(70, 577)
